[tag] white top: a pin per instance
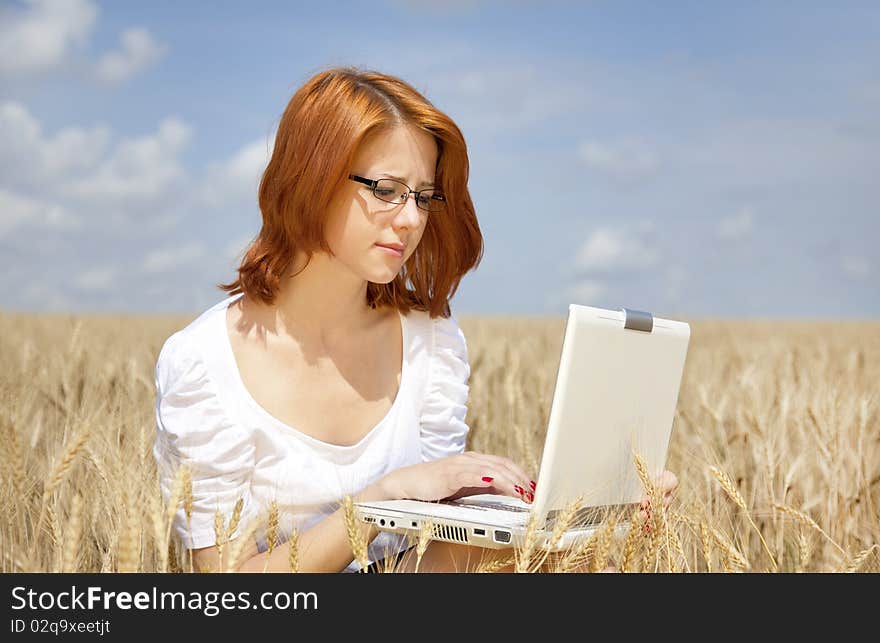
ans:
(205, 417)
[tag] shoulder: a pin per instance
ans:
(182, 351)
(449, 367)
(438, 335)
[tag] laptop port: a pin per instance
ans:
(502, 536)
(369, 519)
(391, 523)
(479, 532)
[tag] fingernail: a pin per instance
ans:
(488, 478)
(518, 489)
(533, 485)
(530, 496)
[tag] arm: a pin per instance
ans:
(325, 547)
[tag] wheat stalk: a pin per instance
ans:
(731, 490)
(489, 566)
(72, 536)
(562, 523)
(236, 518)
(730, 551)
(524, 555)
(271, 531)
(188, 504)
(809, 522)
(168, 519)
(293, 551)
(219, 536)
(59, 472)
(426, 530)
(706, 542)
(582, 551)
(631, 543)
(860, 558)
(129, 538)
(603, 544)
(238, 544)
(355, 539)
(805, 550)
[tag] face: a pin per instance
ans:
(358, 221)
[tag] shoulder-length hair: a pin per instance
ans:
(318, 137)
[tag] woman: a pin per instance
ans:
(335, 366)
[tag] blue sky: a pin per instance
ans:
(699, 159)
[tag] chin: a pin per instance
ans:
(383, 279)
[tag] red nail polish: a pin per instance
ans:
(518, 489)
(530, 496)
(488, 479)
(533, 485)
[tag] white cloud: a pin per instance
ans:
(139, 50)
(238, 177)
(142, 169)
(96, 279)
(856, 267)
(18, 210)
(627, 160)
(617, 249)
(492, 97)
(586, 292)
(41, 35)
(737, 226)
(96, 179)
(31, 160)
(167, 259)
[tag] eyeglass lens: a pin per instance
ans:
(392, 191)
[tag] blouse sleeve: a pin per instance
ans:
(443, 429)
(193, 429)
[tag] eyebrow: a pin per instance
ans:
(429, 184)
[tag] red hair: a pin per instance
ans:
(318, 137)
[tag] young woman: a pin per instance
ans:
(335, 366)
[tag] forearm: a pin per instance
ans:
(325, 547)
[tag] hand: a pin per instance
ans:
(460, 475)
(667, 482)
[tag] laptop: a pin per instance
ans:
(616, 390)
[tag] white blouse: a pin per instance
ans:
(206, 418)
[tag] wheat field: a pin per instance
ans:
(776, 444)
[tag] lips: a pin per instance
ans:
(394, 246)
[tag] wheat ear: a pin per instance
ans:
(809, 522)
(731, 490)
(72, 536)
(355, 539)
(425, 532)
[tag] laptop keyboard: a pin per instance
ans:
(489, 504)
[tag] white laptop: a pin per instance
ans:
(616, 391)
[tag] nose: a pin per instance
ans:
(409, 213)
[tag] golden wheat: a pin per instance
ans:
(355, 539)
(790, 406)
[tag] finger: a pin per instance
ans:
(522, 480)
(501, 480)
(667, 481)
(514, 469)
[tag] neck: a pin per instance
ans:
(324, 302)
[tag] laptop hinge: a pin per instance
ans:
(638, 320)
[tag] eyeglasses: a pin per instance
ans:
(392, 191)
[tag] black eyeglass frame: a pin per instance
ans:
(373, 183)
